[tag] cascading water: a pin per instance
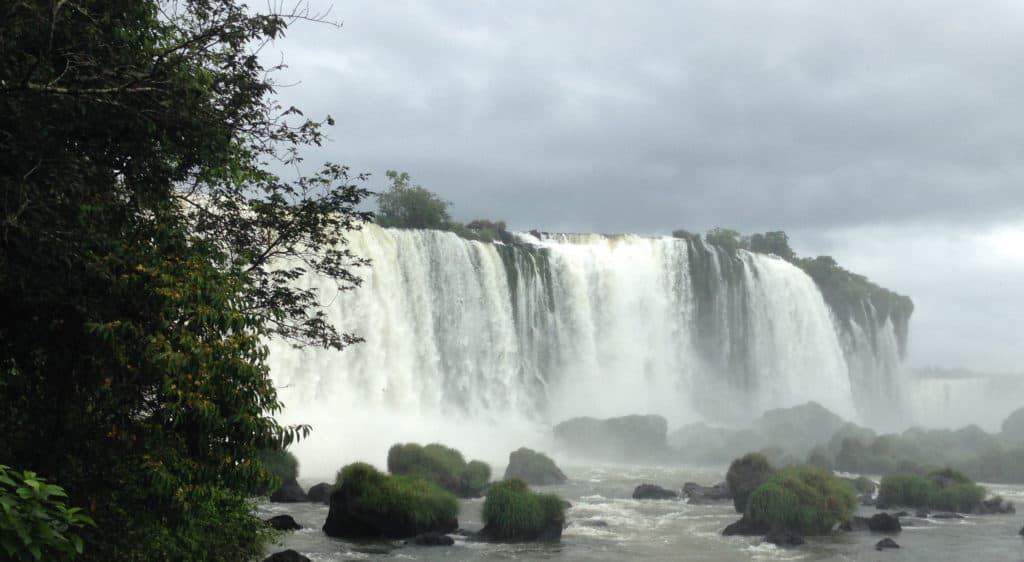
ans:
(463, 337)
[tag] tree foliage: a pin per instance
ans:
(804, 499)
(146, 253)
(35, 523)
(403, 205)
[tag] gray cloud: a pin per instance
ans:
(822, 118)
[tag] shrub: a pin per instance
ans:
(513, 512)
(959, 497)
(803, 499)
(409, 499)
(34, 523)
(280, 464)
(945, 489)
(441, 465)
(745, 475)
(905, 489)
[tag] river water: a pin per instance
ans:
(667, 530)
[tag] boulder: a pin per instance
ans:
(592, 523)
(784, 538)
(289, 492)
(432, 539)
(922, 513)
(514, 513)
(283, 523)
(745, 475)
(744, 527)
(320, 493)
(1021, 533)
(947, 515)
(533, 468)
(286, 556)
(884, 523)
(702, 495)
(886, 543)
(653, 492)
(626, 438)
(391, 515)
(994, 506)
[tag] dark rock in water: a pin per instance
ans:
(782, 537)
(743, 527)
(884, 523)
(348, 518)
(903, 514)
(745, 475)
(652, 492)
(592, 523)
(289, 492)
(432, 539)
(320, 493)
(867, 500)
(533, 468)
(283, 523)
(856, 525)
(286, 556)
(700, 495)
(886, 543)
(947, 515)
(994, 505)
(922, 513)
(624, 438)
(1021, 533)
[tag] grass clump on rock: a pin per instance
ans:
(512, 512)
(370, 503)
(280, 464)
(946, 490)
(441, 465)
(801, 499)
(745, 475)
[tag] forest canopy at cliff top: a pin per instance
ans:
(137, 225)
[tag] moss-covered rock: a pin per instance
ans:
(745, 475)
(533, 468)
(946, 490)
(280, 464)
(441, 465)
(367, 503)
(512, 513)
(801, 499)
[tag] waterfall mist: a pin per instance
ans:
(484, 346)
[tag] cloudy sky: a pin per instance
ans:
(889, 135)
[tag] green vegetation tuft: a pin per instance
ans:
(745, 475)
(441, 465)
(513, 512)
(905, 489)
(803, 499)
(407, 497)
(35, 523)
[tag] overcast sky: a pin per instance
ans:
(888, 134)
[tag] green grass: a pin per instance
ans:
(804, 499)
(406, 497)
(441, 465)
(513, 512)
(905, 489)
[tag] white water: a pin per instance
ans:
(461, 342)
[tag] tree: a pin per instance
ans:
(404, 205)
(725, 238)
(146, 254)
(772, 243)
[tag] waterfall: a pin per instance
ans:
(531, 333)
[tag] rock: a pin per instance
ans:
(286, 556)
(884, 523)
(994, 505)
(947, 515)
(533, 468)
(922, 513)
(886, 543)
(903, 514)
(701, 495)
(289, 492)
(592, 523)
(320, 493)
(283, 523)
(856, 525)
(652, 492)
(432, 539)
(627, 438)
(743, 527)
(867, 500)
(1021, 533)
(784, 538)
(348, 518)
